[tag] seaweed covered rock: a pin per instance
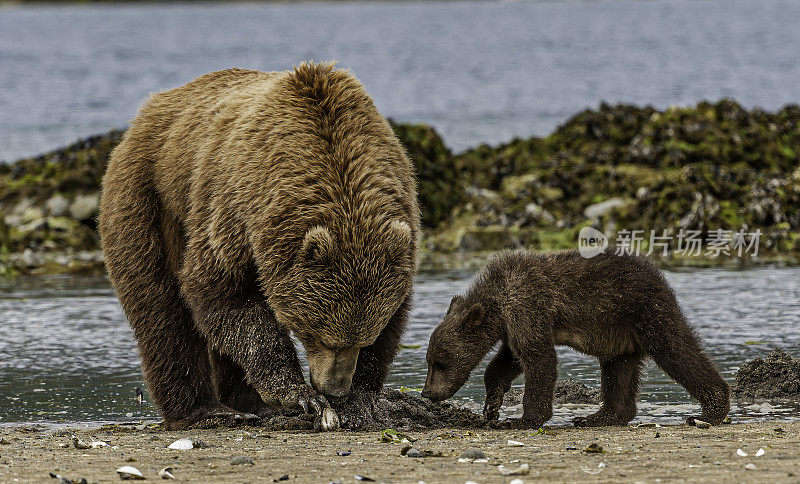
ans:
(776, 377)
(714, 166)
(438, 186)
(49, 202)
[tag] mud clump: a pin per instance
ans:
(777, 377)
(400, 409)
(567, 391)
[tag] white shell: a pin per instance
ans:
(741, 453)
(515, 443)
(760, 452)
(130, 473)
(182, 444)
(98, 443)
(166, 473)
(520, 471)
(751, 467)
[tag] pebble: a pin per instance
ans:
(594, 448)
(344, 453)
(751, 467)
(284, 477)
(127, 473)
(412, 452)
(517, 481)
(473, 454)
(515, 443)
(166, 473)
(700, 424)
(520, 471)
(241, 459)
(98, 443)
(4, 441)
(363, 478)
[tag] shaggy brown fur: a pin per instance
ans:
(617, 308)
(244, 206)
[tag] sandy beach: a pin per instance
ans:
(629, 454)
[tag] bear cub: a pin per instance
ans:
(618, 308)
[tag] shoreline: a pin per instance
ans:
(557, 454)
(91, 262)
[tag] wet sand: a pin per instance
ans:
(29, 454)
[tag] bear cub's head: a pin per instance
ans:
(455, 348)
(343, 288)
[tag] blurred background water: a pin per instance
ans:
(477, 71)
(67, 354)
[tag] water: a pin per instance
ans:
(477, 71)
(67, 354)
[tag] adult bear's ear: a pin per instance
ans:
(400, 238)
(457, 300)
(317, 245)
(474, 316)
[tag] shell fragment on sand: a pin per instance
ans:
(166, 473)
(515, 443)
(182, 444)
(519, 471)
(129, 473)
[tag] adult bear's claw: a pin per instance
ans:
(329, 420)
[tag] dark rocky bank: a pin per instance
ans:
(707, 167)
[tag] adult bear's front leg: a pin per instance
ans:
(247, 332)
(231, 313)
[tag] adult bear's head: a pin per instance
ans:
(343, 288)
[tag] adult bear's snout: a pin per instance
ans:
(332, 371)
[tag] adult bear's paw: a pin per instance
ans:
(310, 401)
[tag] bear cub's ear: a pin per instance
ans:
(317, 245)
(474, 317)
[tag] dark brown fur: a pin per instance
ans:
(244, 206)
(617, 308)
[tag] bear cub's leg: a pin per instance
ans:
(499, 374)
(540, 365)
(619, 387)
(678, 352)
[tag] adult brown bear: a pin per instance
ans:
(244, 206)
